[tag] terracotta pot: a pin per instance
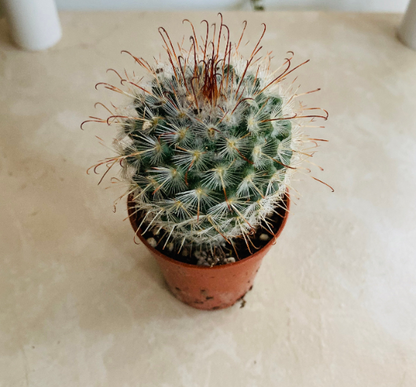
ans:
(209, 288)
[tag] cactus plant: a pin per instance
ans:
(209, 141)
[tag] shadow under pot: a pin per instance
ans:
(211, 288)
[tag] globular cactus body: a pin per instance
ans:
(209, 141)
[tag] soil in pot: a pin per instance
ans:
(227, 254)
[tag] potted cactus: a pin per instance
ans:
(207, 144)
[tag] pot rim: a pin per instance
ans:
(218, 267)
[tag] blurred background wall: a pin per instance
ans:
(222, 5)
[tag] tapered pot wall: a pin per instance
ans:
(209, 288)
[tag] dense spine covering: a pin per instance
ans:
(209, 140)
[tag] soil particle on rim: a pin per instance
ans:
(152, 242)
(264, 237)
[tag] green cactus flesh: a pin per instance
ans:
(205, 177)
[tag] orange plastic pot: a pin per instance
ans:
(209, 288)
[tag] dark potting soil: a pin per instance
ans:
(223, 255)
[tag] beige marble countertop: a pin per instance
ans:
(334, 303)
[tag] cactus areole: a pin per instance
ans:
(209, 140)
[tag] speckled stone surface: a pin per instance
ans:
(334, 303)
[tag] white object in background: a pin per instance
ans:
(34, 24)
(407, 30)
